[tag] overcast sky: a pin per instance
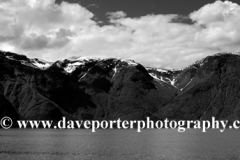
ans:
(156, 33)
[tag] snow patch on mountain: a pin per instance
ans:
(186, 84)
(156, 78)
(83, 58)
(172, 82)
(41, 64)
(83, 76)
(131, 62)
(35, 63)
(10, 57)
(161, 70)
(72, 66)
(115, 71)
(157, 69)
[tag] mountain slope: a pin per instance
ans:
(93, 88)
(81, 88)
(214, 90)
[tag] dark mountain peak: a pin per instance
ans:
(24, 60)
(184, 79)
(68, 66)
(13, 56)
(215, 57)
(207, 66)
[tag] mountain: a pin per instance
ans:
(209, 87)
(94, 88)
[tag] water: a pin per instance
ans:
(119, 144)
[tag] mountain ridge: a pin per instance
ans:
(85, 88)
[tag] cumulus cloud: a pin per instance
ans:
(116, 15)
(28, 25)
(50, 31)
(222, 24)
(215, 12)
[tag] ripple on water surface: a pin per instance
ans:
(119, 144)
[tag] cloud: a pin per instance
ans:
(37, 25)
(50, 31)
(216, 12)
(116, 15)
(93, 5)
(36, 42)
(222, 24)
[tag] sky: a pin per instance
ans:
(169, 34)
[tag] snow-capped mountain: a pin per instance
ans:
(69, 65)
(36, 63)
(98, 88)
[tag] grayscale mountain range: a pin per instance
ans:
(94, 88)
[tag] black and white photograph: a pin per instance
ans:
(119, 79)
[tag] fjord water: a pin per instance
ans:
(119, 144)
